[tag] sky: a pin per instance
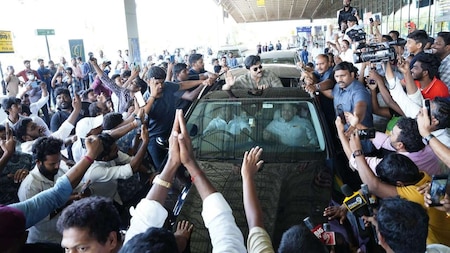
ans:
(101, 24)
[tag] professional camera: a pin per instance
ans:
(378, 52)
(357, 35)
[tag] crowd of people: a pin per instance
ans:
(78, 149)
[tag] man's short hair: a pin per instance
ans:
(44, 146)
(107, 142)
(409, 135)
(26, 110)
(396, 167)
(94, 110)
(445, 36)
(112, 120)
(346, 66)
(40, 60)
(441, 112)
(8, 102)
(20, 128)
(251, 60)
(154, 240)
(26, 61)
(396, 33)
(177, 68)
(387, 37)
(420, 36)
(113, 77)
(157, 73)
(430, 63)
(193, 58)
(62, 90)
(299, 239)
(97, 214)
(126, 74)
(403, 225)
(85, 94)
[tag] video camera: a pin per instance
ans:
(377, 52)
(357, 35)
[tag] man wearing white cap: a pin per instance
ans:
(85, 127)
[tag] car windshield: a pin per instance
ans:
(290, 61)
(287, 130)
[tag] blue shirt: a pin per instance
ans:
(350, 96)
(162, 114)
(232, 62)
(41, 205)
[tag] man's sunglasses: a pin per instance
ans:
(256, 68)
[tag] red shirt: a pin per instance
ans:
(436, 88)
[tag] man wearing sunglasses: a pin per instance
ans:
(256, 78)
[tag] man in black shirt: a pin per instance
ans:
(345, 12)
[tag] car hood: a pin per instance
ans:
(288, 192)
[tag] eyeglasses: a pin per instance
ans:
(256, 68)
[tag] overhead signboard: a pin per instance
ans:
(45, 31)
(6, 43)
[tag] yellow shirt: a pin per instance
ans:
(439, 224)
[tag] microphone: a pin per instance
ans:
(371, 201)
(355, 202)
(359, 205)
(316, 230)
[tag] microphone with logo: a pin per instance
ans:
(322, 232)
(358, 204)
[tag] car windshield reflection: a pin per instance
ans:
(287, 130)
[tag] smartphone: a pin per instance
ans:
(83, 143)
(426, 104)
(377, 18)
(340, 112)
(172, 58)
(365, 134)
(139, 99)
(136, 66)
(85, 187)
(438, 189)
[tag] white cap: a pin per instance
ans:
(86, 124)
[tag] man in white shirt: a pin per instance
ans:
(290, 129)
(113, 164)
(227, 121)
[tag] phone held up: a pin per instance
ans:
(139, 99)
(438, 189)
(365, 134)
(340, 112)
(426, 104)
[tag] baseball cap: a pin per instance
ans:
(86, 124)
(8, 102)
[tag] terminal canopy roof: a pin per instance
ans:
(246, 11)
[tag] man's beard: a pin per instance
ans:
(47, 173)
(64, 106)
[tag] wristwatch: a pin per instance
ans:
(358, 152)
(428, 138)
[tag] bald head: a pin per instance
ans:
(322, 63)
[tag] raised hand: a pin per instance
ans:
(251, 163)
